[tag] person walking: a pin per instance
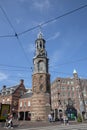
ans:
(50, 118)
(67, 120)
(10, 122)
(64, 119)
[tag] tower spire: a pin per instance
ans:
(40, 35)
(40, 82)
(75, 74)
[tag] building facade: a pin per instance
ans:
(11, 95)
(24, 107)
(69, 92)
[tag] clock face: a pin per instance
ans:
(41, 51)
(15, 103)
(41, 66)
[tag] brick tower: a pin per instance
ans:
(40, 82)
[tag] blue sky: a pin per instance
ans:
(66, 39)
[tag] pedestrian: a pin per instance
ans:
(6, 121)
(64, 119)
(10, 122)
(67, 121)
(50, 118)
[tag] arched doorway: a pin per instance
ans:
(71, 112)
(60, 114)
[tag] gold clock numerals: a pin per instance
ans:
(15, 103)
(41, 51)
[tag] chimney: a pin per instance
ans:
(4, 87)
(21, 82)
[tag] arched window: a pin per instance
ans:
(40, 44)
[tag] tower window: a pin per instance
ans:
(40, 45)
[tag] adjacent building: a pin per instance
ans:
(68, 93)
(11, 95)
(24, 107)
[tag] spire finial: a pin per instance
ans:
(40, 35)
(74, 72)
(40, 28)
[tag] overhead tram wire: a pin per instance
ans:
(71, 62)
(16, 35)
(22, 67)
(44, 23)
(5, 65)
(53, 19)
(20, 44)
(65, 73)
(22, 49)
(6, 36)
(7, 19)
(27, 70)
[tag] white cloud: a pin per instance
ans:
(3, 76)
(41, 4)
(56, 35)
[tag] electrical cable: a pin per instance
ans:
(7, 19)
(13, 70)
(65, 73)
(70, 62)
(27, 68)
(16, 35)
(7, 36)
(4, 65)
(44, 23)
(53, 19)
(22, 49)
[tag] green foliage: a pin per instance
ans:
(79, 118)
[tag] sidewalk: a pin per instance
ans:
(34, 124)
